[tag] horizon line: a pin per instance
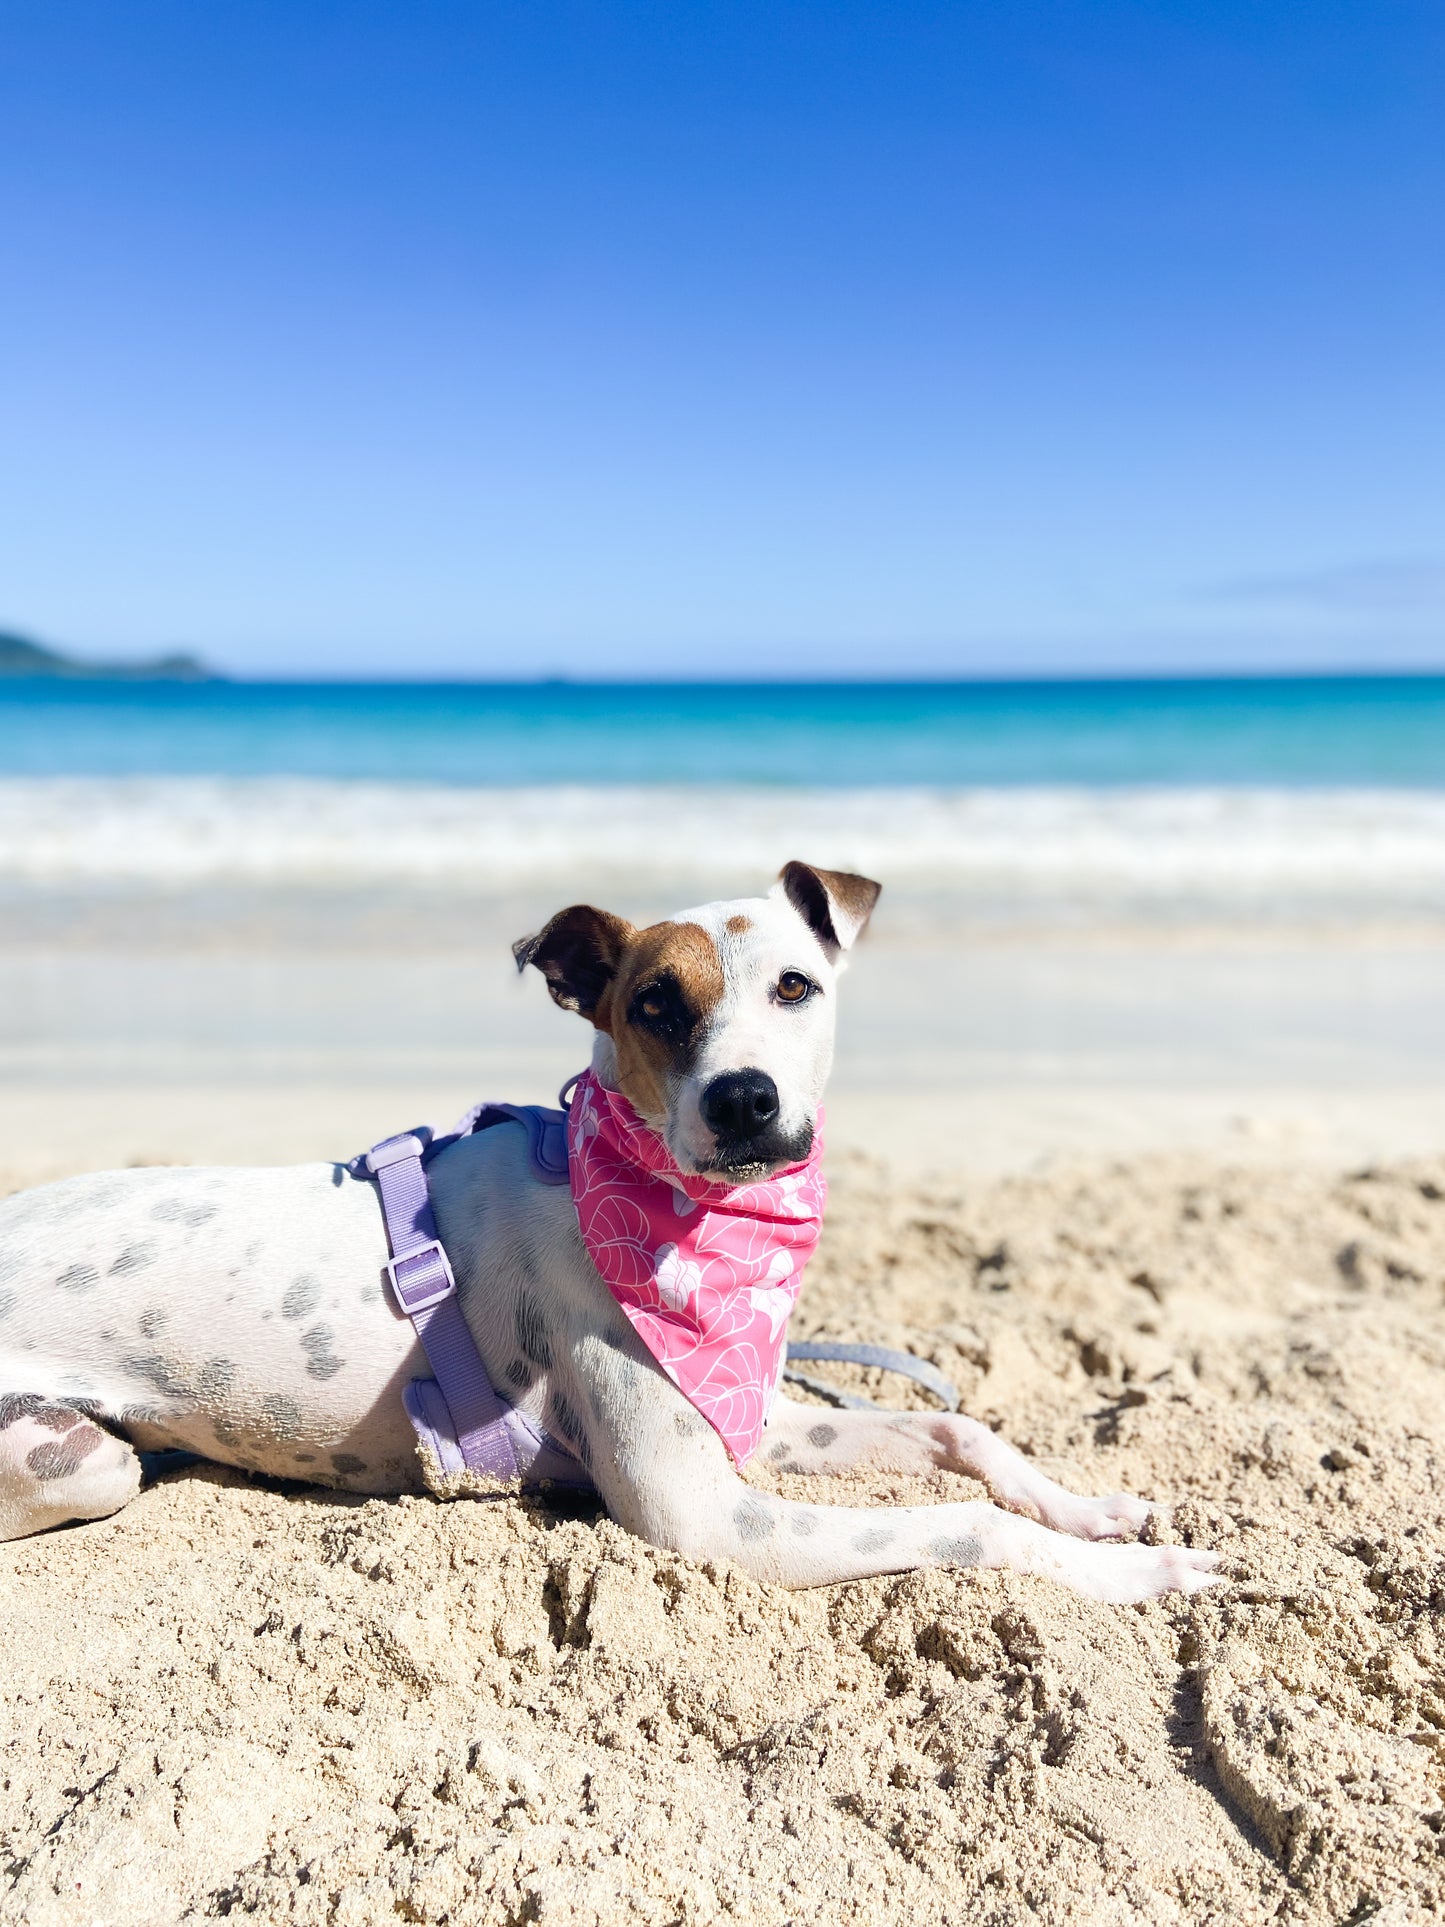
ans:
(1018, 679)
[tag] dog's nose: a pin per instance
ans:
(740, 1104)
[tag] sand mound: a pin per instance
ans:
(234, 1699)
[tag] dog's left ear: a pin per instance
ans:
(835, 904)
(578, 954)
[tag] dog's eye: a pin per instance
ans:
(794, 987)
(658, 1007)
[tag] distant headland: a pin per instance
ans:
(20, 657)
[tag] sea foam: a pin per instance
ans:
(1380, 849)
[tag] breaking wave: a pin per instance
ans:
(1381, 849)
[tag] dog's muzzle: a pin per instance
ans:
(743, 1111)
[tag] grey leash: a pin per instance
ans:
(877, 1355)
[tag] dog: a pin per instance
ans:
(242, 1314)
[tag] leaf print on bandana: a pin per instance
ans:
(678, 1281)
(775, 1302)
(707, 1276)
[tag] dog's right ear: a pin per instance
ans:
(578, 953)
(835, 904)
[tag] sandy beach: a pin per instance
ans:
(237, 1699)
(1170, 1209)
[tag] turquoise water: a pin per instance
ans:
(1287, 732)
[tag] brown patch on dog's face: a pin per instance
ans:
(666, 988)
(735, 926)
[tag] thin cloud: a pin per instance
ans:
(1359, 588)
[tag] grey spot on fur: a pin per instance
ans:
(688, 1424)
(284, 1413)
(59, 1458)
(345, 1462)
(780, 1451)
(753, 1520)
(822, 1436)
(805, 1524)
(961, 1549)
(134, 1258)
(338, 1175)
(306, 1458)
(156, 1371)
(519, 1374)
(532, 1331)
(177, 1211)
(18, 1405)
(321, 1362)
(626, 1372)
(7, 1303)
(564, 1420)
(873, 1540)
(794, 1470)
(216, 1376)
(371, 1294)
(79, 1278)
(154, 1321)
(303, 1295)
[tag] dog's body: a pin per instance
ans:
(241, 1313)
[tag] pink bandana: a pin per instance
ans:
(707, 1275)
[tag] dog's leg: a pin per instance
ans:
(804, 1438)
(665, 1475)
(56, 1465)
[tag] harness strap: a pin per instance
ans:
(877, 1355)
(426, 1291)
(492, 1436)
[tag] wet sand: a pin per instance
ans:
(271, 1026)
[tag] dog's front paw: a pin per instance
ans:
(1123, 1575)
(1118, 1515)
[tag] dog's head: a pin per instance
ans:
(717, 1026)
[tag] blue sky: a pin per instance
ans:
(621, 339)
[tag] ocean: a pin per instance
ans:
(1317, 732)
(1269, 793)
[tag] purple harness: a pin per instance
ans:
(458, 1414)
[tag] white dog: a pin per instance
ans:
(246, 1315)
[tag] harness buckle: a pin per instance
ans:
(421, 1278)
(393, 1150)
